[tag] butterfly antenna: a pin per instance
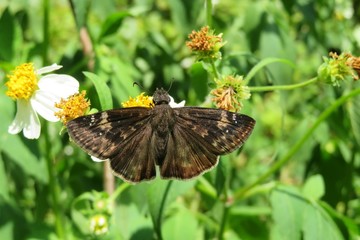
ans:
(139, 85)
(171, 83)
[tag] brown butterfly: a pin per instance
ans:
(184, 142)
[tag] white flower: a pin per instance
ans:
(37, 94)
(173, 104)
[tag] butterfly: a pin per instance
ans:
(183, 142)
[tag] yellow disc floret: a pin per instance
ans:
(139, 101)
(22, 82)
(74, 106)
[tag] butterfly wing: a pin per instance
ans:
(120, 135)
(199, 136)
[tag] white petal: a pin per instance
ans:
(48, 69)
(25, 119)
(95, 159)
(44, 104)
(22, 111)
(33, 128)
(173, 104)
(52, 88)
(59, 85)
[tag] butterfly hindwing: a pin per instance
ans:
(118, 135)
(185, 156)
(199, 136)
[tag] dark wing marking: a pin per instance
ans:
(199, 136)
(220, 131)
(118, 135)
(187, 158)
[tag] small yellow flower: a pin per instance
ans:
(37, 94)
(335, 69)
(74, 106)
(22, 82)
(99, 224)
(205, 44)
(229, 92)
(139, 101)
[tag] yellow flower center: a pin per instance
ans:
(139, 101)
(99, 224)
(22, 82)
(74, 106)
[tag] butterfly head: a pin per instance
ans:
(161, 97)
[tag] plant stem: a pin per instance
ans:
(283, 87)
(161, 210)
(45, 32)
(53, 187)
(209, 12)
(241, 193)
(119, 190)
(215, 72)
(226, 210)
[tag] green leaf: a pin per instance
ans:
(178, 15)
(81, 9)
(23, 157)
(353, 107)
(295, 216)
(181, 225)
(112, 23)
(130, 223)
(102, 89)
(161, 194)
(4, 186)
(287, 213)
(314, 187)
(6, 35)
(317, 224)
(198, 78)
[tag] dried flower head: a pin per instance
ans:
(354, 63)
(139, 101)
(335, 69)
(205, 44)
(74, 106)
(229, 93)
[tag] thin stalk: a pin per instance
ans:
(226, 209)
(215, 72)
(53, 187)
(283, 87)
(241, 193)
(120, 189)
(45, 32)
(161, 210)
(209, 13)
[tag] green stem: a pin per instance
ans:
(161, 210)
(209, 12)
(53, 187)
(45, 32)
(118, 191)
(226, 210)
(283, 87)
(241, 193)
(215, 72)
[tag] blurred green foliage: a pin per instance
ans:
(313, 196)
